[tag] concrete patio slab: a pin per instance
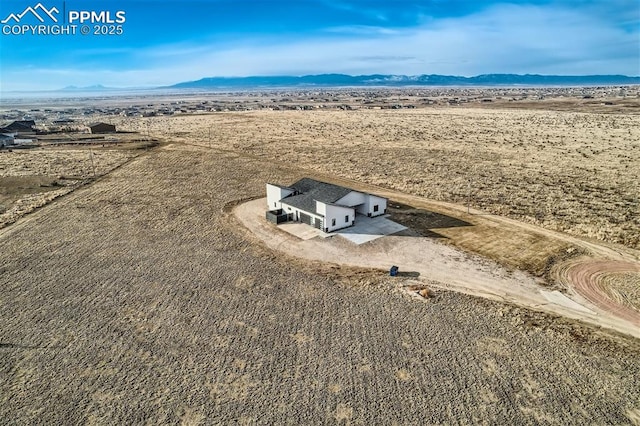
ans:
(370, 228)
(366, 229)
(302, 230)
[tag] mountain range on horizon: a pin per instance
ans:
(390, 80)
(379, 80)
(95, 87)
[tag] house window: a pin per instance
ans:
(275, 204)
(333, 222)
(375, 208)
(346, 219)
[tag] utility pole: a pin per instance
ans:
(469, 197)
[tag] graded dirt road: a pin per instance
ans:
(138, 299)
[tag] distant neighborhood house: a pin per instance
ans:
(323, 205)
(22, 126)
(14, 133)
(6, 139)
(63, 121)
(102, 128)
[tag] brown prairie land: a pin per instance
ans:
(31, 178)
(574, 172)
(139, 298)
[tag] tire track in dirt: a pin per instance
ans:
(588, 277)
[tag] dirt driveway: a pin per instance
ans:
(439, 264)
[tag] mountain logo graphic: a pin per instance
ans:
(34, 11)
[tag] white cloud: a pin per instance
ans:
(363, 30)
(502, 39)
(507, 38)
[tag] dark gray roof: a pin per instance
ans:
(322, 191)
(101, 124)
(312, 190)
(20, 125)
(304, 202)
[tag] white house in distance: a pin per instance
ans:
(323, 205)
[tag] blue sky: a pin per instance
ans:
(166, 42)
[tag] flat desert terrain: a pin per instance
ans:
(567, 171)
(139, 297)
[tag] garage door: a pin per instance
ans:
(310, 220)
(305, 218)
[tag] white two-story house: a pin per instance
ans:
(323, 205)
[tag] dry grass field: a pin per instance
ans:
(624, 288)
(575, 172)
(138, 299)
(31, 178)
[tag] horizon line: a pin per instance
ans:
(98, 86)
